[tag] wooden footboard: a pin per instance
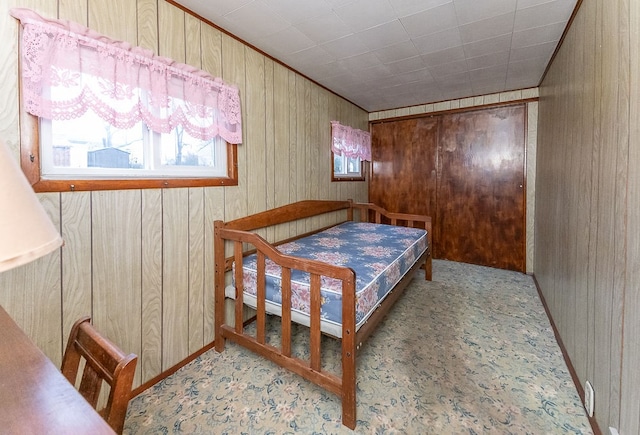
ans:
(239, 233)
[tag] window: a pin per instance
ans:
(111, 112)
(347, 168)
(89, 147)
(350, 149)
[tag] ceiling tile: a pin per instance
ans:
(446, 69)
(488, 46)
(310, 56)
(537, 35)
(287, 41)
(258, 20)
(523, 4)
(469, 11)
(337, 3)
(530, 68)
(487, 28)
(454, 80)
(438, 41)
(375, 73)
(324, 28)
(406, 65)
(295, 11)
(431, 21)
(536, 16)
(409, 7)
(347, 46)
(396, 52)
(488, 60)
(494, 73)
(384, 35)
(359, 62)
(421, 75)
(330, 69)
(533, 51)
(444, 56)
(364, 14)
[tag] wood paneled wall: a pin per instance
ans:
(140, 262)
(587, 223)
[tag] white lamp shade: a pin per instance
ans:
(26, 232)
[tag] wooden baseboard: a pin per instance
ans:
(567, 360)
(151, 382)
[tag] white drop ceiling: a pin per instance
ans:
(386, 54)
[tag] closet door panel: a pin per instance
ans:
(403, 175)
(481, 195)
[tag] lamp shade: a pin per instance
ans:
(26, 232)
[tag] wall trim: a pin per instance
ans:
(565, 355)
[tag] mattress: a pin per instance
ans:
(379, 254)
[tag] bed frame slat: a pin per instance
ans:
(261, 302)
(286, 312)
(314, 328)
(237, 248)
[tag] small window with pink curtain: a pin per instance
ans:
(350, 148)
(110, 111)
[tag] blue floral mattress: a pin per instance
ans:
(379, 254)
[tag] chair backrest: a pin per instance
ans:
(104, 362)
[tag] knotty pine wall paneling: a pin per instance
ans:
(116, 236)
(74, 10)
(175, 272)
(76, 231)
(41, 289)
(147, 18)
(255, 131)
(117, 19)
(197, 221)
(175, 222)
(279, 159)
(269, 139)
(233, 71)
(140, 262)
(587, 219)
(197, 231)
(214, 198)
(630, 375)
(150, 356)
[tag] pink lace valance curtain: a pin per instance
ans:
(68, 69)
(350, 142)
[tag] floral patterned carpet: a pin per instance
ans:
(471, 352)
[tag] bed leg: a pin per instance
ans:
(219, 340)
(427, 269)
(219, 344)
(349, 408)
(349, 381)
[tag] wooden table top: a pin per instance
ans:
(35, 398)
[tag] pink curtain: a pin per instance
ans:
(350, 142)
(68, 69)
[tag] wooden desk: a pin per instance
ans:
(35, 398)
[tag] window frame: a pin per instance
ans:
(30, 163)
(335, 177)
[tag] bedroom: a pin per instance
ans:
(160, 238)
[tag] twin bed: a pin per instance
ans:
(339, 280)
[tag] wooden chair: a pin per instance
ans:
(104, 362)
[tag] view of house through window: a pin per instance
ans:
(89, 147)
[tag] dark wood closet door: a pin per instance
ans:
(481, 197)
(403, 155)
